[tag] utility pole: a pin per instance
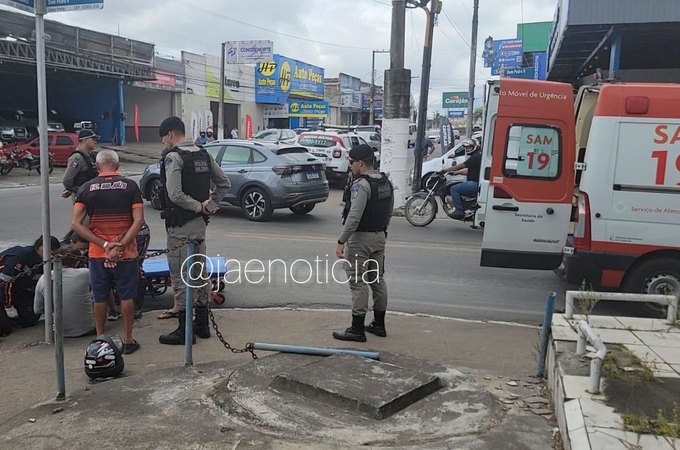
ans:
(394, 146)
(473, 66)
(435, 8)
(371, 119)
(220, 113)
(40, 11)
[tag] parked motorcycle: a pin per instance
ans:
(421, 208)
(21, 158)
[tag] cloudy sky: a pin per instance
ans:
(337, 35)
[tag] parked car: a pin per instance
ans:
(333, 149)
(454, 156)
(11, 126)
(60, 144)
(433, 135)
(276, 136)
(263, 177)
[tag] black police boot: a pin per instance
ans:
(177, 336)
(377, 327)
(201, 324)
(353, 333)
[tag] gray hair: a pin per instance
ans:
(108, 158)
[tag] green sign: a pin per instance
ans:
(455, 100)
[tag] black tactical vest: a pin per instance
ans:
(84, 176)
(195, 183)
(378, 207)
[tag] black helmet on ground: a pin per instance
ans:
(104, 357)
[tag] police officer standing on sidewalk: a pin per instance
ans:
(362, 243)
(81, 166)
(186, 175)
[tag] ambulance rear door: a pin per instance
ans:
(531, 176)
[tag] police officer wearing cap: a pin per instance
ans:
(81, 166)
(362, 243)
(186, 175)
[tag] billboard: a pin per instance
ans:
(456, 113)
(508, 54)
(276, 80)
(349, 83)
(248, 52)
(454, 100)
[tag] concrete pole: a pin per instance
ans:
(370, 117)
(394, 147)
(424, 91)
(40, 11)
(220, 113)
(473, 66)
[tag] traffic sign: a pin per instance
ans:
(24, 5)
(73, 5)
(55, 5)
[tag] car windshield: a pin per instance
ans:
(267, 135)
(317, 141)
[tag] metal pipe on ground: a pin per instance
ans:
(316, 351)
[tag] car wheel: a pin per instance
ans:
(303, 209)
(656, 276)
(153, 193)
(256, 205)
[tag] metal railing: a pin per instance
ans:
(665, 300)
(586, 334)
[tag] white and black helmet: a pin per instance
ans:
(104, 358)
(470, 145)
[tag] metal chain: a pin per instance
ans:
(247, 349)
(26, 272)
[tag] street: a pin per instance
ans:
(433, 270)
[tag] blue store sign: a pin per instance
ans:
(304, 108)
(275, 81)
(508, 54)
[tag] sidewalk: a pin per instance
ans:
(640, 388)
(499, 356)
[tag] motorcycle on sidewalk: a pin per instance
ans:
(422, 208)
(23, 158)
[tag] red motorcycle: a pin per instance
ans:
(23, 158)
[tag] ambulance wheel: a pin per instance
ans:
(655, 276)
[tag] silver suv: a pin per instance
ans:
(263, 177)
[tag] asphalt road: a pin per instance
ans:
(432, 270)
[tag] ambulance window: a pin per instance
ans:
(532, 151)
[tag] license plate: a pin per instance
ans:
(312, 175)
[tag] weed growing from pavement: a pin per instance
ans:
(660, 426)
(619, 359)
(586, 301)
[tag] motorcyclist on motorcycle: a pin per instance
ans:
(471, 166)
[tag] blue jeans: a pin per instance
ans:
(464, 188)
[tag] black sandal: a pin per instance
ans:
(131, 347)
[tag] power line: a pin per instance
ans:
(194, 6)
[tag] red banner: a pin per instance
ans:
(137, 122)
(249, 127)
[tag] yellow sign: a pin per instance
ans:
(267, 69)
(284, 76)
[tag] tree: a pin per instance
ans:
(477, 114)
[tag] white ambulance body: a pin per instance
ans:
(617, 160)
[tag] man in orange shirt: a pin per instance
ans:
(114, 206)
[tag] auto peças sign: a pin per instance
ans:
(276, 80)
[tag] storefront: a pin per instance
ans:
(148, 103)
(200, 103)
(291, 93)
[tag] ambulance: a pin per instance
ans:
(587, 186)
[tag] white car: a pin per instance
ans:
(333, 149)
(454, 156)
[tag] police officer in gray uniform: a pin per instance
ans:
(362, 243)
(81, 166)
(186, 175)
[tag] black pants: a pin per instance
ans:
(22, 300)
